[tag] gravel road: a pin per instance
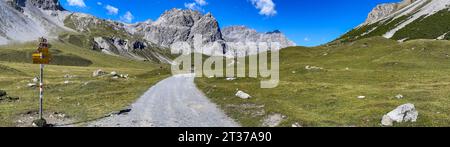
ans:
(173, 102)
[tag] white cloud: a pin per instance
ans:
(201, 2)
(99, 3)
(192, 6)
(112, 10)
(128, 17)
(77, 3)
(266, 7)
(307, 39)
(196, 5)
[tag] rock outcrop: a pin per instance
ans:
(178, 26)
(384, 10)
(136, 49)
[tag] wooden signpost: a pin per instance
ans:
(41, 56)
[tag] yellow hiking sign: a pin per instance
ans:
(42, 55)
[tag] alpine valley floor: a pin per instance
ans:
(326, 93)
(72, 96)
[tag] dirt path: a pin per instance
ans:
(173, 102)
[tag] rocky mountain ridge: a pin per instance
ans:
(183, 30)
(406, 20)
(26, 20)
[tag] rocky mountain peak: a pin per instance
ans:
(405, 20)
(43, 4)
(383, 10)
(238, 37)
(237, 28)
(179, 17)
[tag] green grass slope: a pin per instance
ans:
(377, 68)
(430, 27)
(85, 97)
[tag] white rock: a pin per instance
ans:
(66, 82)
(387, 121)
(31, 84)
(403, 113)
(361, 97)
(308, 67)
(230, 79)
(296, 125)
(98, 72)
(35, 79)
(242, 95)
(114, 73)
(399, 96)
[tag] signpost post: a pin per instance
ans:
(41, 56)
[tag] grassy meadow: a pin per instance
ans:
(377, 68)
(84, 97)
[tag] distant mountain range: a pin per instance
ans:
(26, 20)
(406, 20)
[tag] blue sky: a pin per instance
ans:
(306, 22)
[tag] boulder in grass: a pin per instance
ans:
(98, 73)
(32, 85)
(399, 96)
(403, 113)
(243, 95)
(114, 73)
(361, 97)
(35, 79)
(230, 79)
